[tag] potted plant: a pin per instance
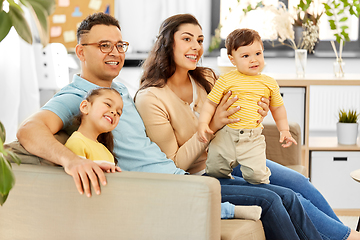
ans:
(347, 127)
(7, 179)
(12, 15)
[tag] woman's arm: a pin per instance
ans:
(206, 114)
(159, 128)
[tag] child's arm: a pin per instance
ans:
(279, 115)
(205, 117)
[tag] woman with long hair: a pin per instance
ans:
(172, 91)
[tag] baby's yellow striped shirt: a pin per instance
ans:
(249, 90)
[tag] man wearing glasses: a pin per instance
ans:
(101, 51)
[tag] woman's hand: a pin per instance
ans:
(222, 113)
(264, 104)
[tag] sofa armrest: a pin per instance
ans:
(290, 156)
(44, 204)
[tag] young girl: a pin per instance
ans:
(99, 115)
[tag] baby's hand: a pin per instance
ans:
(203, 129)
(286, 136)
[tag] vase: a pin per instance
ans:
(300, 62)
(339, 65)
(347, 133)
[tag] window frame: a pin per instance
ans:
(323, 48)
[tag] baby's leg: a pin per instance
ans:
(250, 152)
(221, 155)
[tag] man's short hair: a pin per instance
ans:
(241, 37)
(95, 19)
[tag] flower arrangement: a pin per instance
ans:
(283, 23)
(282, 26)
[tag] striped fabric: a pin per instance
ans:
(249, 90)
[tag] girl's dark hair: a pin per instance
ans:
(160, 64)
(241, 37)
(96, 19)
(107, 138)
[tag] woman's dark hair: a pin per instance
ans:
(241, 37)
(160, 64)
(107, 138)
(96, 19)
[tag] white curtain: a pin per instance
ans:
(140, 19)
(19, 91)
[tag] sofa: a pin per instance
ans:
(45, 204)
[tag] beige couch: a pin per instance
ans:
(44, 204)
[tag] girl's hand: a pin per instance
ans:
(264, 104)
(222, 113)
(109, 168)
(286, 136)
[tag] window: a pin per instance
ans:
(260, 20)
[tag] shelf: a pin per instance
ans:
(330, 144)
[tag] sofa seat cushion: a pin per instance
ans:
(240, 229)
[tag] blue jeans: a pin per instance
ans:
(315, 205)
(283, 216)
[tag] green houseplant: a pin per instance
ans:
(7, 179)
(335, 9)
(12, 15)
(347, 127)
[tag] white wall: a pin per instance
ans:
(140, 19)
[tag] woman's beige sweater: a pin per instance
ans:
(172, 125)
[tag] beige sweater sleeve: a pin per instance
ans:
(173, 127)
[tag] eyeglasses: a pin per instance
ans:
(107, 46)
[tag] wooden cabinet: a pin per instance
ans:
(288, 80)
(330, 168)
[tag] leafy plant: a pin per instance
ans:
(12, 14)
(7, 178)
(304, 14)
(335, 9)
(351, 116)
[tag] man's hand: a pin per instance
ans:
(264, 104)
(83, 170)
